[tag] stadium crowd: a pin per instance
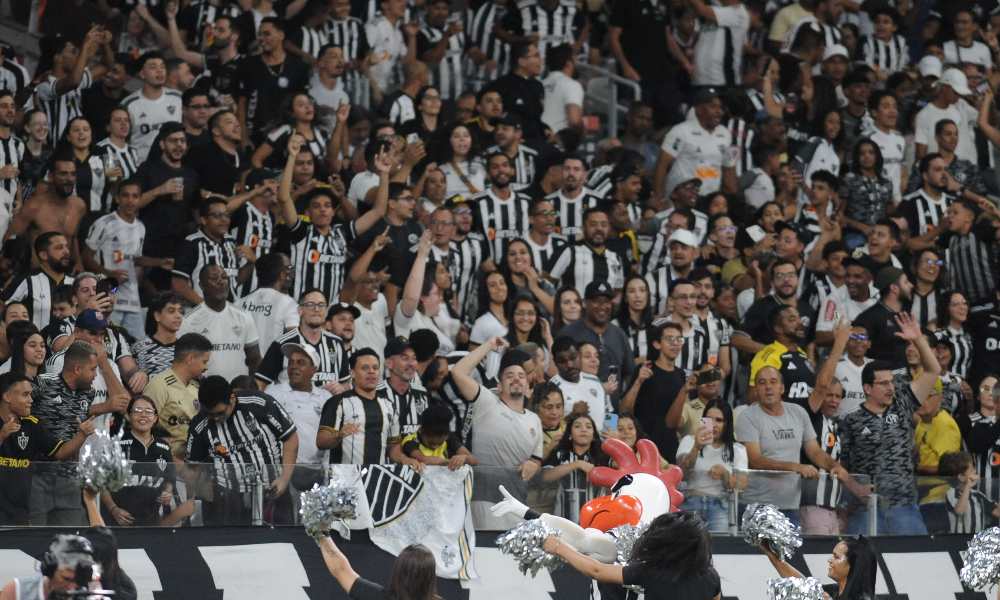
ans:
(269, 236)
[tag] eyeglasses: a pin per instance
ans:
(673, 339)
(784, 276)
(932, 262)
(986, 389)
(730, 229)
(441, 223)
(139, 411)
(525, 313)
(218, 414)
(886, 383)
(962, 302)
(859, 336)
(463, 211)
(694, 185)
(545, 213)
(220, 214)
(200, 106)
(314, 305)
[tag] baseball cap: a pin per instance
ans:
(683, 236)
(835, 50)
(339, 307)
(291, 348)
(705, 95)
(258, 176)
(508, 118)
(886, 277)
(597, 288)
(862, 260)
(930, 66)
(397, 346)
(780, 226)
(749, 237)
(956, 79)
(92, 320)
(455, 200)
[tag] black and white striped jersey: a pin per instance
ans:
(279, 141)
(248, 442)
(61, 109)
(823, 491)
(972, 263)
(350, 35)
(115, 341)
(544, 255)
(409, 405)
(34, 289)
(92, 185)
(892, 56)
(570, 210)
(153, 357)
(599, 181)
(13, 76)
(924, 308)
(319, 259)
(638, 337)
(447, 74)
(658, 281)
(309, 40)
(127, 157)
(467, 255)
(659, 254)
(196, 15)
(197, 251)
(561, 26)
(524, 165)
(978, 513)
(923, 212)
(981, 439)
(479, 32)
(579, 264)
(757, 98)
(742, 137)
(719, 333)
(333, 359)
(502, 220)
(378, 424)
(11, 153)
(250, 227)
(961, 348)
(694, 350)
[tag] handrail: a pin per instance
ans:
(612, 105)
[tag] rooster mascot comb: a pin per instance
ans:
(640, 492)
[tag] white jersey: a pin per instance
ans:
(149, 115)
(231, 332)
(274, 313)
(560, 92)
(369, 328)
(978, 54)
(839, 304)
(964, 116)
(588, 389)
(389, 45)
(117, 244)
(718, 54)
(849, 376)
(305, 409)
(698, 153)
(893, 146)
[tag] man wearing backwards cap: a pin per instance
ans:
(948, 105)
(303, 401)
(697, 148)
(895, 292)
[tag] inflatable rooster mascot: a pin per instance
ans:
(640, 492)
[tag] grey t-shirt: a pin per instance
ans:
(780, 438)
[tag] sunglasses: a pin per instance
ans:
(463, 211)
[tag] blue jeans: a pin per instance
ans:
(715, 510)
(132, 322)
(902, 520)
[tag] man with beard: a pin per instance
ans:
(541, 238)
(36, 288)
(503, 212)
(211, 245)
(11, 151)
(54, 209)
(895, 292)
(590, 260)
(153, 105)
(719, 330)
(221, 63)
(884, 236)
(510, 141)
(340, 322)
(196, 110)
(755, 329)
(220, 163)
(926, 209)
(174, 392)
(573, 199)
(326, 86)
(272, 309)
(409, 399)
(581, 392)
(785, 353)
(848, 301)
(506, 433)
(469, 255)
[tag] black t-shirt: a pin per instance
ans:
(196, 140)
(644, 37)
(219, 78)
(265, 87)
(218, 171)
(401, 250)
(524, 98)
(97, 109)
(165, 217)
(367, 590)
(16, 453)
(882, 328)
(658, 583)
(655, 397)
(984, 327)
(756, 325)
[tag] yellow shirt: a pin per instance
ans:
(769, 356)
(935, 438)
(784, 19)
(176, 406)
(733, 269)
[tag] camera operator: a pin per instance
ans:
(68, 565)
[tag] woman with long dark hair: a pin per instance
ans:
(36, 151)
(929, 278)
(865, 191)
(12, 313)
(673, 559)
(952, 313)
(27, 353)
(428, 108)
(412, 575)
(635, 315)
(456, 149)
(571, 461)
(297, 116)
(519, 270)
(566, 308)
(77, 141)
(524, 323)
(853, 567)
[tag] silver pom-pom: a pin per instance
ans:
(103, 466)
(795, 588)
(982, 562)
(625, 538)
(765, 522)
(324, 504)
(524, 543)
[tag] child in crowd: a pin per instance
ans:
(969, 510)
(435, 444)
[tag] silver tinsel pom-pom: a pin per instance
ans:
(322, 505)
(625, 538)
(524, 543)
(103, 466)
(795, 588)
(765, 522)
(982, 562)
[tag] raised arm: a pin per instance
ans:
(415, 282)
(180, 50)
(983, 122)
(383, 164)
(924, 382)
(285, 189)
(461, 373)
(359, 270)
(841, 334)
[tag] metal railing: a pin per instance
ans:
(612, 104)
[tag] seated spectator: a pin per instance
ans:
(969, 510)
(434, 443)
(571, 462)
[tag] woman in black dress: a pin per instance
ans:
(853, 567)
(412, 576)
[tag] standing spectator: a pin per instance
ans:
(240, 432)
(391, 46)
(503, 212)
(409, 399)
(952, 314)
(422, 300)
(724, 34)
(935, 434)
(251, 222)
(11, 152)
(231, 329)
(364, 289)
(786, 355)
(926, 269)
(119, 129)
(866, 192)
(153, 105)
(220, 163)
(582, 393)
(981, 434)
(509, 137)
(850, 368)
(212, 245)
(563, 94)
(273, 310)
(519, 89)
(638, 127)
(487, 55)
(469, 254)
(462, 174)
(348, 32)
(948, 105)
(924, 210)
(595, 328)
(876, 439)
(574, 199)
(36, 287)
(884, 111)
(848, 301)
(195, 112)
(895, 293)
(972, 258)
(541, 238)
(964, 48)
(571, 462)
(327, 85)
(656, 381)
(175, 391)
(969, 510)
(441, 45)
(885, 50)
(754, 328)
(155, 352)
(590, 260)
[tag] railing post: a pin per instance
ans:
(734, 509)
(257, 500)
(873, 514)
(613, 112)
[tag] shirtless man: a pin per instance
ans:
(54, 209)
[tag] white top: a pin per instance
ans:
(849, 376)
(231, 332)
(503, 437)
(360, 185)
(711, 51)
(117, 243)
(369, 328)
(473, 171)
(388, 46)
(964, 116)
(698, 153)
(978, 54)
(839, 303)
(698, 479)
(588, 389)
(328, 98)
(149, 115)
(893, 146)
(404, 325)
(560, 91)
(273, 313)
(305, 409)
(761, 191)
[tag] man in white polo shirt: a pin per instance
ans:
(698, 147)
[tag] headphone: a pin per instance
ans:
(62, 545)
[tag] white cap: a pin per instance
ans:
(956, 79)
(683, 236)
(835, 50)
(291, 348)
(930, 66)
(756, 233)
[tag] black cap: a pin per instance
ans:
(705, 95)
(862, 260)
(339, 307)
(508, 118)
(802, 236)
(598, 288)
(457, 199)
(396, 346)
